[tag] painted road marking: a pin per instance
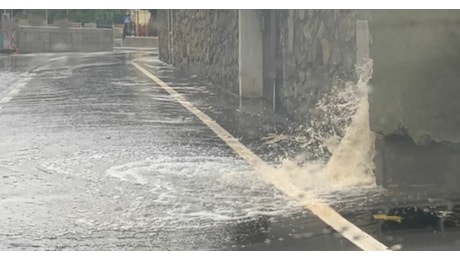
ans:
(327, 214)
(15, 89)
(5, 99)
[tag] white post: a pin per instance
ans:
(250, 54)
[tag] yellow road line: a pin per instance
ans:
(16, 88)
(320, 209)
(398, 219)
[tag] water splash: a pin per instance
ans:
(338, 142)
(195, 189)
(351, 162)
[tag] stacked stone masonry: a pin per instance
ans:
(318, 51)
(205, 42)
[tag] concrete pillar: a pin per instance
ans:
(250, 54)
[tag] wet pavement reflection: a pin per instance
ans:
(95, 156)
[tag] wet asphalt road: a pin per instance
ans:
(95, 156)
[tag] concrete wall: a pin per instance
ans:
(56, 39)
(9, 35)
(414, 103)
(205, 43)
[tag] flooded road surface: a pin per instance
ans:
(96, 156)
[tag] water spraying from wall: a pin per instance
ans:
(338, 142)
(351, 162)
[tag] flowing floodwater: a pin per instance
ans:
(338, 143)
(96, 156)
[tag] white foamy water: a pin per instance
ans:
(126, 173)
(342, 130)
(351, 162)
(200, 188)
(7, 79)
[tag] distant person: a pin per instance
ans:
(127, 24)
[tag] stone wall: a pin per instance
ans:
(205, 43)
(153, 22)
(318, 52)
(163, 35)
(315, 56)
